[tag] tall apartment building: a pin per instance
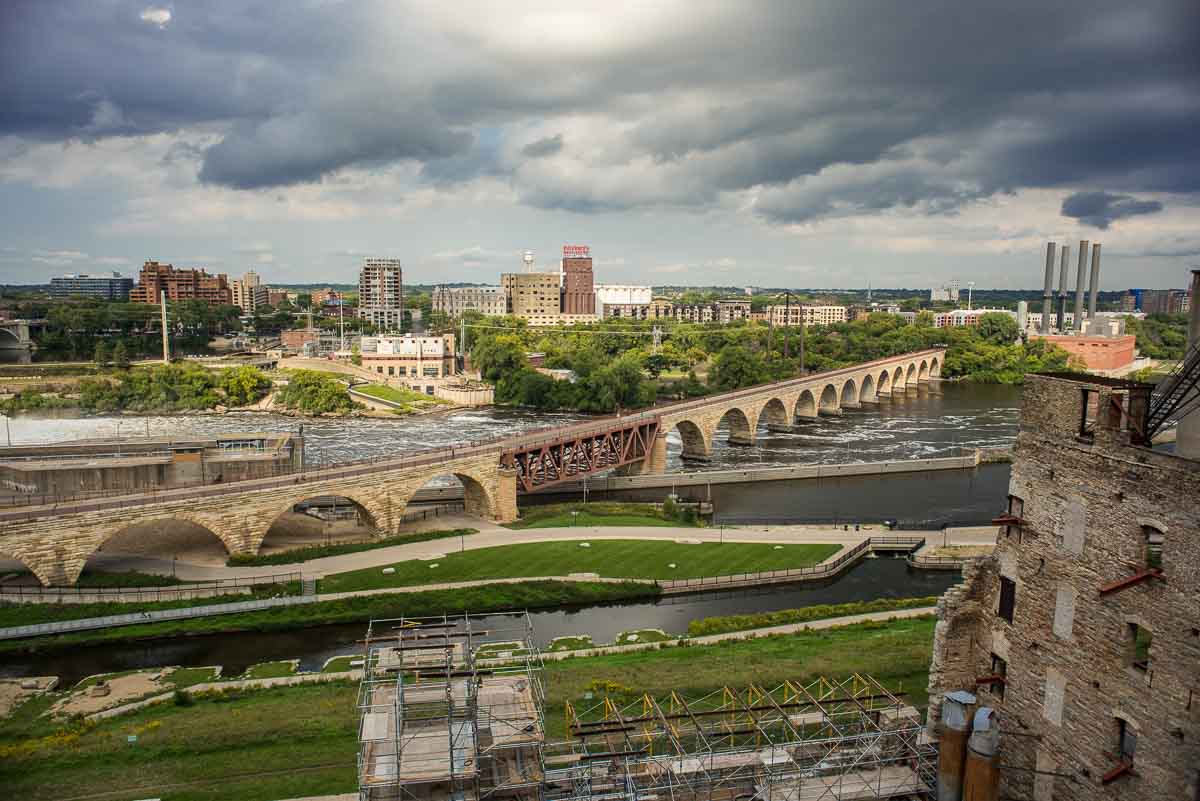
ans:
(729, 310)
(795, 315)
(381, 293)
(1081, 631)
(113, 286)
(180, 284)
(491, 301)
(249, 292)
(578, 292)
(534, 297)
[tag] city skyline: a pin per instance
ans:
(775, 146)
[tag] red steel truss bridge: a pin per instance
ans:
(581, 453)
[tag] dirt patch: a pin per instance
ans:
(122, 690)
(13, 694)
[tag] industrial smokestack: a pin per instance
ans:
(1048, 292)
(1062, 289)
(1083, 247)
(1094, 287)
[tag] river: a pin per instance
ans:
(870, 579)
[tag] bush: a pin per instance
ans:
(313, 393)
(181, 698)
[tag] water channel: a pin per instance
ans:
(870, 579)
(940, 421)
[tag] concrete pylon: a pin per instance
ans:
(1062, 289)
(1048, 291)
(1079, 278)
(1187, 437)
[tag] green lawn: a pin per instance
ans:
(560, 515)
(641, 559)
(398, 395)
(339, 664)
(270, 670)
(310, 552)
(301, 741)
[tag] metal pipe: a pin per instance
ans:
(1083, 252)
(1062, 289)
(1048, 291)
(1094, 285)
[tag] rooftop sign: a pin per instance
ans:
(576, 252)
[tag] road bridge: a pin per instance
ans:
(54, 541)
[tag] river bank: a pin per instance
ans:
(286, 742)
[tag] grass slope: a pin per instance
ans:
(310, 552)
(301, 741)
(638, 559)
(560, 515)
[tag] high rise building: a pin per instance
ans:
(180, 284)
(381, 293)
(578, 291)
(113, 286)
(534, 297)
(249, 292)
(487, 300)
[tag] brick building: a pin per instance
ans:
(578, 291)
(1097, 353)
(1082, 629)
(180, 284)
(533, 297)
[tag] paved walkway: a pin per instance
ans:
(491, 535)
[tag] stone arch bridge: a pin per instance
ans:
(55, 541)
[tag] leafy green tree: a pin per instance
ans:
(313, 393)
(103, 355)
(496, 357)
(120, 356)
(924, 319)
(736, 367)
(244, 385)
(998, 328)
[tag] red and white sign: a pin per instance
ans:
(576, 252)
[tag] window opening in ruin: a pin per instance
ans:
(1008, 598)
(1153, 548)
(1126, 741)
(999, 668)
(1088, 411)
(1140, 638)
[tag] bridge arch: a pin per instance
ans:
(849, 394)
(478, 499)
(8, 338)
(182, 535)
(923, 371)
(806, 405)
(898, 383)
(326, 518)
(741, 429)
(697, 443)
(935, 367)
(866, 393)
(829, 400)
(44, 577)
(774, 413)
(884, 383)
(910, 374)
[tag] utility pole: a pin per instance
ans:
(341, 327)
(803, 325)
(162, 297)
(787, 319)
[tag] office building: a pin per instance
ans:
(794, 315)
(534, 297)
(490, 301)
(409, 356)
(110, 286)
(180, 284)
(249, 292)
(945, 293)
(381, 293)
(578, 293)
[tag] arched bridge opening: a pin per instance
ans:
(319, 520)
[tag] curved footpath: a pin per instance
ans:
(491, 535)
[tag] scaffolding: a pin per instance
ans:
(452, 710)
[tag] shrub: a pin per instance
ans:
(182, 698)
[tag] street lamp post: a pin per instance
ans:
(970, 290)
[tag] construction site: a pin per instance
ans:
(453, 709)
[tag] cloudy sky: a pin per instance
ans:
(734, 142)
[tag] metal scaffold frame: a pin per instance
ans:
(452, 710)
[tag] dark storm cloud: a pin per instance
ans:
(820, 109)
(547, 146)
(1100, 209)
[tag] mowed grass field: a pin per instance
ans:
(293, 742)
(638, 559)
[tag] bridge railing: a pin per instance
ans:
(823, 570)
(548, 435)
